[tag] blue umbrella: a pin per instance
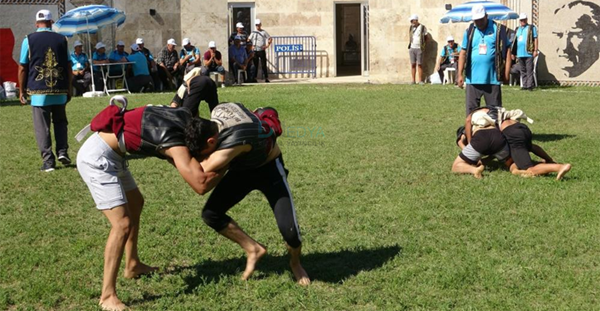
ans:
(88, 19)
(494, 10)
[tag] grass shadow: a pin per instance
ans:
(332, 267)
(551, 137)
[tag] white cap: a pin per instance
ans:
(77, 43)
(120, 43)
(43, 15)
(257, 21)
(100, 45)
(139, 41)
(185, 41)
(450, 38)
(477, 12)
(171, 42)
(522, 16)
(212, 44)
(239, 25)
(414, 17)
(135, 47)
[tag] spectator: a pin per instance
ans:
(418, 37)
(168, 65)
(116, 56)
(261, 40)
(251, 69)
(99, 57)
(190, 56)
(239, 32)
(448, 57)
(525, 46)
(41, 51)
(237, 57)
(212, 60)
(140, 78)
(82, 77)
(152, 67)
(484, 60)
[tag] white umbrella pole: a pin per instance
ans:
(90, 54)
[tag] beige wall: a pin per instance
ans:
(205, 21)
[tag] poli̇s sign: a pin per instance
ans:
(289, 48)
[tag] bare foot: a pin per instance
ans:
(479, 172)
(565, 169)
(112, 304)
(300, 274)
(252, 258)
(138, 270)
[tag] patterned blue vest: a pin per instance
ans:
(48, 63)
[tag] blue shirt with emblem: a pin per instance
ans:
(40, 100)
(521, 38)
(78, 62)
(140, 66)
(483, 52)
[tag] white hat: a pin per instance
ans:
(212, 44)
(414, 17)
(139, 41)
(239, 25)
(450, 38)
(43, 15)
(185, 41)
(522, 16)
(120, 43)
(135, 47)
(477, 12)
(171, 42)
(257, 21)
(100, 45)
(77, 43)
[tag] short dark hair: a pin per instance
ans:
(197, 132)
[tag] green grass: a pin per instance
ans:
(386, 225)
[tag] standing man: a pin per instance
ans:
(526, 47)
(448, 57)
(484, 59)
(239, 32)
(261, 40)
(140, 77)
(45, 73)
(168, 65)
(418, 37)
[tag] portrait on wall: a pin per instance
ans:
(570, 39)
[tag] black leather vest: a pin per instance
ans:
(162, 127)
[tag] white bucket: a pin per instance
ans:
(10, 88)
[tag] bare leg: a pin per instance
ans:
(299, 272)
(419, 73)
(546, 168)
(254, 250)
(413, 71)
(461, 167)
(133, 266)
(115, 245)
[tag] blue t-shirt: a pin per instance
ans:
(483, 67)
(450, 51)
(521, 38)
(140, 66)
(116, 57)
(78, 62)
(40, 100)
(239, 54)
(184, 53)
(97, 56)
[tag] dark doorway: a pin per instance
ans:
(348, 39)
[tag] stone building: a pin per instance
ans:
(364, 38)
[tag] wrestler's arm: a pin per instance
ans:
(468, 128)
(191, 170)
(220, 159)
(538, 151)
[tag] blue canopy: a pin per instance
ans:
(88, 19)
(494, 10)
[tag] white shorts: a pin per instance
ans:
(105, 172)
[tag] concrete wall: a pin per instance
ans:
(205, 21)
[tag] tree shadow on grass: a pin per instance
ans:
(332, 267)
(551, 137)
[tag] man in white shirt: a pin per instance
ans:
(261, 40)
(418, 36)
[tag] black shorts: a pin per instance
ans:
(489, 142)
(519, 139)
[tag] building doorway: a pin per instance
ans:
(348, 39)
(241, 13)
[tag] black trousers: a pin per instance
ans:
(201, 88)
(263, 61)
(41, 125)
(491, 92)
(271, 180)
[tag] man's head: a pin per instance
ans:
(201, 137)
(171, 44)
(78, 47)
(120, 47)
(479, 16)
(212, 46)
(414, 20)
(135, 48)
(579, 46)
(239, 27)
(523, 19)
(100, 48)
(140, 43)
(450, 40)
(249, 46)
(43, 19)
(187, 44)
(258, 24)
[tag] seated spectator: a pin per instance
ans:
(238, 58)
(251, 68)
(99, 57)
(239, 32)
(116, 56)
(212, 60)
(168, 65)
(140, 77)
(152, 67)
(448, 57)
(81, 69)
(190, 56)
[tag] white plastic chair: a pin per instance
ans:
(449, 75)
(239, 77)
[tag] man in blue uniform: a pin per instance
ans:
(525, 46)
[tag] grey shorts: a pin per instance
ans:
(105, 172)
(472, 156)
(416, 56)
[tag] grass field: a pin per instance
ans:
(386, 225)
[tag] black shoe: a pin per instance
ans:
(267, 81)
(523, 89)
(64, 159)
(47, 167)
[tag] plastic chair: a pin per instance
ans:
(239, 76)
(449, 75)
(535, 61)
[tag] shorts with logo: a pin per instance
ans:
(105, 172)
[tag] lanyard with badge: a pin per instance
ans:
(482, 45)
